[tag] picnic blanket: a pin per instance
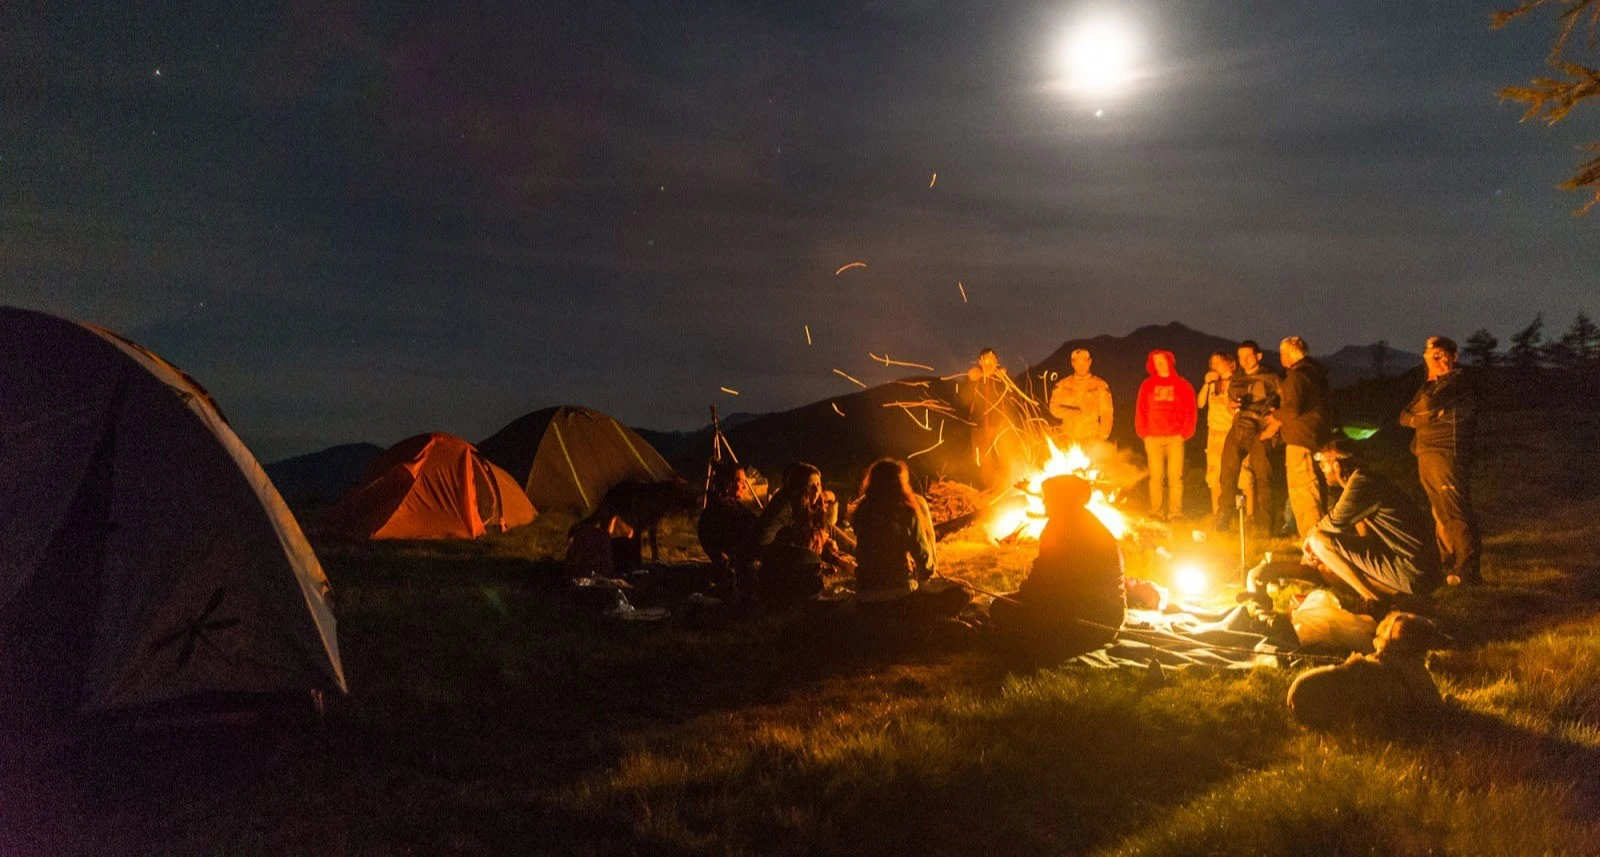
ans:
(1232, 640)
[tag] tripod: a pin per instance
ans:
(719, 445)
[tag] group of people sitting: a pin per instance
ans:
(1071, 599)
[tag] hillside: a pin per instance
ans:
(322, 476)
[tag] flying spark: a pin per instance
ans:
(844, 268)
(963, 291)
(836, 409)
(849, 378)
(932, 180)
(730, 391)
(808, 334)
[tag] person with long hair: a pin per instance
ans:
(791, 538)
(895, 554)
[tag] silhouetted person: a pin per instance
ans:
(1375, 540)
(1164, 418)
(727, 529)
(1301, 419)
(1252, 394)
(1444, 413)
(1072, 599)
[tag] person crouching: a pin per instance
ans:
(1072, 599)
(895, 554)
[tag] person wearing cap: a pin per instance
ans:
(1301, 419)
(1444, 415)
(1072, 599)
(1375, 539)
(1082, 402)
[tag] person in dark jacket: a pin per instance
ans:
(1374, 540)
(1301, 420)
(1072, 600)
(992, 408)
(1252, 395)
(895, 554)
(1164, 417)
(788, 567)
(727, 529)
(1444, 414)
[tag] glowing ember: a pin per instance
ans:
(1022, 515)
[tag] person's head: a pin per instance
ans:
(830, 507)
(1081, 361)
(802, 483)
(730, 482)
(1161, 362)
(1065, 493)
(1249, 352)
(1439, 355)
(888, 480)
(1223, 362)
(1338, 459)
(1292, 350)
(988, 361)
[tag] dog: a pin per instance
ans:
(643, 505)
(1389, 688)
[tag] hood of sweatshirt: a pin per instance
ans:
(1150, 363)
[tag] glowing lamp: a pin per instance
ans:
(1190, 579)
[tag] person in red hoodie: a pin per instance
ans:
(1164, 418)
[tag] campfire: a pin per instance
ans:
(1019, 513)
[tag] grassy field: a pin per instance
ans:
(487, 717)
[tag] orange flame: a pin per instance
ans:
(1023, 515)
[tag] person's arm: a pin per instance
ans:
(1203, 397)
(924, 560)
(1058, 407)
(1141, 408)
(774, 518)
(1105, 410)
(1419, 410)
(1291, 397)
(1454, 401)
(1191, 415)
(1357, 504)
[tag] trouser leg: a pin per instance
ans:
(1305, 492)
(1444, 482)
(1214, 442)
(1156, 461)
(1232, 461)
(1261, 469)
(1175, 477)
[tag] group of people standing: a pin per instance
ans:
(1251, 410)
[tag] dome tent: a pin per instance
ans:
(431, 486)
(568, 456)
(147, 559)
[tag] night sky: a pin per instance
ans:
(359, 221)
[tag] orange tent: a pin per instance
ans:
(432, 486)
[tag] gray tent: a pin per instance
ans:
(145, 558)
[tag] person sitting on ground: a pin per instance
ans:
(800, 556)
(1072, 599)
(895, 554)
(800, 487)
(590, 552)
(1375, 540)
(727, 529)
(843, 539)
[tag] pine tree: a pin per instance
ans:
(1551, 98)
(1481, 347)
(1582, 341)
(1527, 344)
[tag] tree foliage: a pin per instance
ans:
(1551, 98)
(1480, 346)
(1527, 344)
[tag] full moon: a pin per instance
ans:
(1098, 57)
